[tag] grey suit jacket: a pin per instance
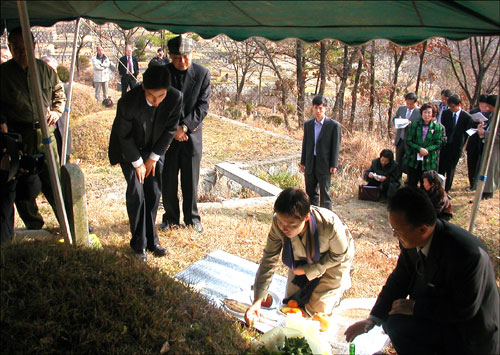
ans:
(401, 112)
(327, 147)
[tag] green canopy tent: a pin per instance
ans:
(351, 22)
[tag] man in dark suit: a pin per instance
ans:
(456, 122)
(184, 154)
(453, 305)
(145, 124)
(320, 153)
(128, 68)
(411, 112)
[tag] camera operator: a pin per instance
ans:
(19, 114)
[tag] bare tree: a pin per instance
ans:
(354, 92)
(398, 56)
(338, 109)
(471, 64)
(301, 83)
(240, 55)
(372, 87)
(283, 85)
(322, 67)
(419, 75)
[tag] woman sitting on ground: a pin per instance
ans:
(432, 185)
(384, 172)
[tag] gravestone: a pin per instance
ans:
(73, 186)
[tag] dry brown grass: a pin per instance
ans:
(242, 231)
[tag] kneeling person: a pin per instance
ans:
(318, 249)
(146, 121)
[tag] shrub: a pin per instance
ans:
(233, 113)
(63, 73)
(281, 178)
(249, 108)
(276, 120)
(83, 62)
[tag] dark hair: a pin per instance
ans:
(18, 31)
(446, 92)
(415, 205)
(432, 106)
(159, 49)
(293, 202)
(156, 77)
(320, 100)
(411, 96)
(483, 98)
(454, 100)
(387, 153)
(433, 177)
(491, 100)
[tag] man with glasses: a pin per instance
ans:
(184, 154)
(453, 303)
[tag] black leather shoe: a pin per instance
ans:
(159, 251)
(141, 255)
(164, 226)
(198, 227)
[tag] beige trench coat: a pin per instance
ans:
(337, 253)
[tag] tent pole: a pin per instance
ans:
(67, 109)
(46, 140)
(485, 162)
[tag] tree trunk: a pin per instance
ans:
(322, 68)
(419, 75)
(354, 93)
(338, 109)
(397, 63)
(372, 87)
(239, 87)
(300, 82)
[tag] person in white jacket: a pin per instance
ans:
(101, 64)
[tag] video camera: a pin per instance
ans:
(13, 162)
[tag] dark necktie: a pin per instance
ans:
(420, 266)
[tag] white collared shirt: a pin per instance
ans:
(152, 156)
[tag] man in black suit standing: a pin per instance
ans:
(128, 68)
(145, 124)
(453, 304)
(456, 122)
(320, 153)
(412, 113)
(184, 154)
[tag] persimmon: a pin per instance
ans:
(293, 304)
(323, 319)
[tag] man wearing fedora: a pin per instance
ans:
(184, 154)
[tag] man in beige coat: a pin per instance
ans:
(318, 249)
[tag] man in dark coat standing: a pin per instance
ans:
(453, 304)
(320, 153)
(184, 154)
(456, 122)
(145, 124)
(128, 68)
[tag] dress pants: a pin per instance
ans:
(98, 85)
(474, 153)
(142, 205)
(127, 81)
(400, 154)
(178, 158)
(411, 335)
(7, 197)
(318, 188)
(415, 175)
(447, 168)
(28, 187)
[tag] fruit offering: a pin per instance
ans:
(323, 319)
